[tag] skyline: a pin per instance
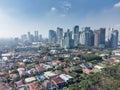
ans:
(18, 17)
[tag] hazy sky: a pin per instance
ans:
(20, 16)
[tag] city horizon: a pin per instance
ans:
(19, 17)
(55, 29)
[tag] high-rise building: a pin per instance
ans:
(52, 36)
(32, 38)
(108, 38)
(24, 37)
(76, 35)
(67, 42)
(99, 38)
(96, 38)
(102, 37)
(36, 36)
(87, 37)
(29, 36)
(59, 35)
(40, 37)
(114, 39)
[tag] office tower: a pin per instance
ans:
(80, 37)
(29, 36)
(67, 39)
(76, 35)
(96, 38)
(108, 38)
(40, 37)
(59, 35)
(32, 38)
(68, 42)
(71, 40)
(87, 37)
(114, 39)
(16, 39)
(36, 38)
(52, 36)
(102, 37)
(99, 38)
(24, 37)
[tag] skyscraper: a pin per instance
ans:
(68, 42)
(52, 36)
(24, 37)
(99, 38)
(96, 38)
(87, 37)
(36, 36)
(76, 35)
(40, 37)
(29, 36)
(114, 39)
(59, 35)
(102, 37)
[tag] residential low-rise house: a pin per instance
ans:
(27, 61)
(87, 71)
(3, 65)
(113, 63)
(13, 76)
(31, 72)
(58, 72)
(116, 52)
(55, 62)
(99, 68)
(64, 64)
(2, 73)
(48, 85)
(30, 79)
(47, 58)
(76, 58)
(49, 74)
(41, 78)
(102, 55)
(67, 70)
(7, 56)
(67, 78)
(48, 67)
(21, 71)
(59, 83)
(40, 69)
(54, 51)
(4, 86)
(19, 83)
(35, 86)
(21, 64)
(66, 55)
(118, 61)
(11, 71)
(86, 65)
(23, 88)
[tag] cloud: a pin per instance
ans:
(65, 8)
(53, 9)
(66, 5)
(63, 15)
(117, 5)
(118, 25)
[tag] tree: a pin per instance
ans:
(61, 59)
